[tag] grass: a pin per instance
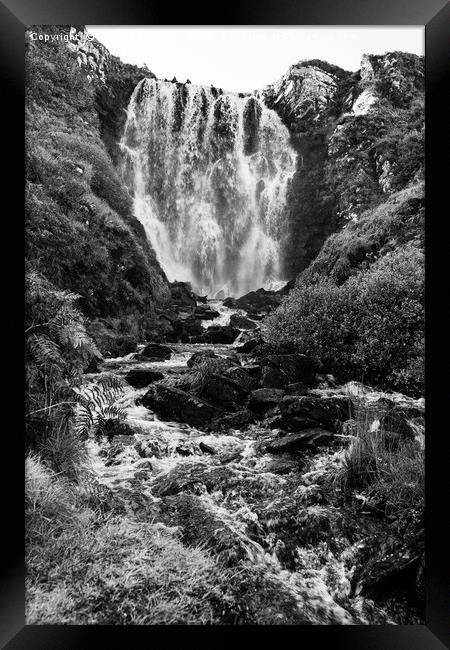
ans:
(85, 566)
(388, 469)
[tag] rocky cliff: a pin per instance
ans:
(360, 137)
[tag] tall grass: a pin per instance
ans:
(387, 468)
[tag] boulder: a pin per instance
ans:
(156, 352)
(329, 412)
(192, 326)
(224, 391)
(176, 404)
(258, 300)
(198, 357)
(278, 370)
(248, 346)
(241, 322)
(239, 375)
(182, 294)
(141, 377)
(263, 399)
(297, 388)
(204, 312)
(238, 420)
(217, 334)
(229, 302)
(299, 441)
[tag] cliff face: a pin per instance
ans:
(360, 137)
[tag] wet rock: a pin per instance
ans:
(182, 294)
(248, 346)
(329, 412)
(283, 465)
(239, 375)
(257, 300)
(223, 390)
(217, 334)
(300, 441)
(192, 326)
(238, 420)
(241, 322)
(142, 377)
(402, 423)
(281, 369)
(229, 302)
(199, 357)
(204, 312)
(176, 404)
(156, 352)
(263, 399)
(297, 388)
(206, 449)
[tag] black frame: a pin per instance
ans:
(435, 16)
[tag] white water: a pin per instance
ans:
(209, 174)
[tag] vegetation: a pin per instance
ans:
(81, 233)
(370, 327)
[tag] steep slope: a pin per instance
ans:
(360, 136)
(80, 230)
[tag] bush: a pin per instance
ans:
(369, 328)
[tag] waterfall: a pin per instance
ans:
(209, 172)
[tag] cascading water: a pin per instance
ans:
(209, 173)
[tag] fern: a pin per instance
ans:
(44, 351)
(96, 406)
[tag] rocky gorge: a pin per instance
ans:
(224, 335)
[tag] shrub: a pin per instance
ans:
(369, 328)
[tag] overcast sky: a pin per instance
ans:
(241, 59)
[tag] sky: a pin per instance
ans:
(241, 59)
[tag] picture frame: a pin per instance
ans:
(435, 16)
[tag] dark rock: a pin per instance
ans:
(329, 412)
(192, 326)
(284, 465)
(217, 334)
(198, 357)
(258, 300)
(176, 404)
(398, 423)
(281, 369)
(206, 449)
(299, 441)
(141, 377)
(248, 346)
(156, 352)
(182, 294)
(239, 375)
(241, 322)
(229, 302)
(253, 370)
(298, 388)
(263, 399)
(203, 312)
(238, 420)
(223, 390)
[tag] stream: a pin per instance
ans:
(225, 492)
